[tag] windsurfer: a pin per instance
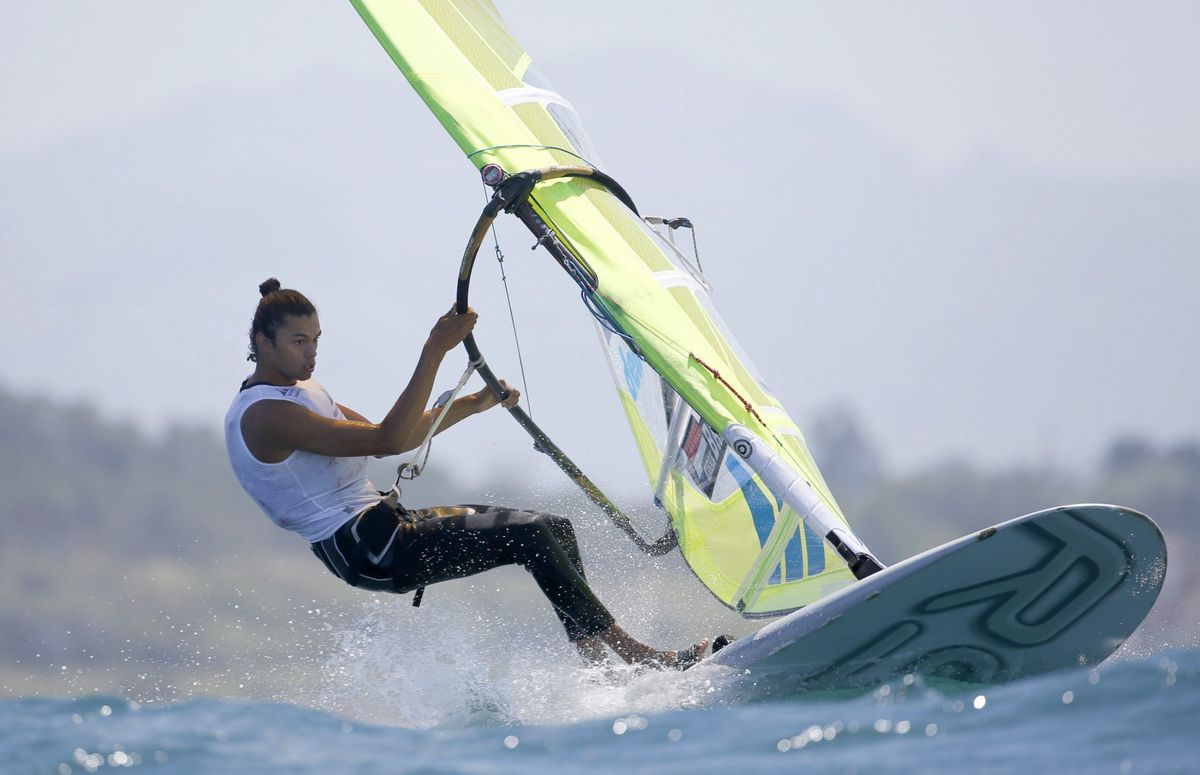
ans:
(302, 458)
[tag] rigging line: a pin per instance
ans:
(413, 468)
(603, 316)
(749, 407)
(511, 317)
(696, 250)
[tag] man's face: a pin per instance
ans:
(294, 352)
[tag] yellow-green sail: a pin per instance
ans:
(748, 504)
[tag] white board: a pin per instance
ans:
(1055, 589)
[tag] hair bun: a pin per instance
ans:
(268, 286)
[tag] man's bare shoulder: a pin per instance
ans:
(265, 422)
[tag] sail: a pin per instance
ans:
(755, 520)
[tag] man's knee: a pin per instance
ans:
(555, 521)
(561, 528)
(545, 523)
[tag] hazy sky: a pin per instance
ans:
(975, 223)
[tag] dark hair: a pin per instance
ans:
(274, 306)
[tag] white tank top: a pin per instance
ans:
(311, 494)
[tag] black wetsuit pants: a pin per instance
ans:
(392, 550)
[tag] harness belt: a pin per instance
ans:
(376, 534)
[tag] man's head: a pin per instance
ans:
(283, 336)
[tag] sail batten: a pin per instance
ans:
(751, 526)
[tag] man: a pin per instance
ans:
(302, 457)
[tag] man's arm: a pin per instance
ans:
(274, 429)
(351, 414)
(461, 409)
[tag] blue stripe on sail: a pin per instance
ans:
(633, 370)
(793, 556)
(816, 550)
(761, 509)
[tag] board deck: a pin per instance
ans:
(1050, 590)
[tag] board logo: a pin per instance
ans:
(1004, 621)
(744, 448)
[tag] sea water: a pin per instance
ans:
(1134, 714)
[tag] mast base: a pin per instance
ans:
(861, 564)
(865, 565)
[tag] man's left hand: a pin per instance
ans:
(487, 399)
(514, 395)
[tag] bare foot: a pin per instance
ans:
(636, 652)
(689, 656)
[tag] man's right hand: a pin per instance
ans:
(451, 329)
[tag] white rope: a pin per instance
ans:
(412, 468)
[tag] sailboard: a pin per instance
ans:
(1051, 590)
(745, 502)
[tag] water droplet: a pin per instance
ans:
(1068, 697)
(883, 726)
(675, 735)
(902, 727)
(511, 742)
(784, 745)
(619, 727)
(931, 730)
(979, 702)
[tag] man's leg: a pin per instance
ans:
(450, 547)
(590, 649)
(460, 545)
